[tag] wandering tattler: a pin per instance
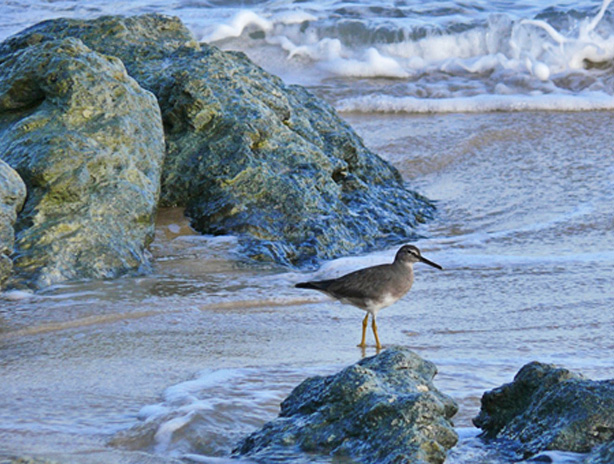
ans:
(374, 288)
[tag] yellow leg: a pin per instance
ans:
(374, 327)
(365, 322)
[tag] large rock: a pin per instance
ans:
(548, 408)
(249, 155)
(88, 142)
(384, 409)
(12, 196)
(602, 454)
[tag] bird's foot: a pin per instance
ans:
(363, 347)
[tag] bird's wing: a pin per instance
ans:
(364, 283)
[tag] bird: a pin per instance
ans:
(374, 288)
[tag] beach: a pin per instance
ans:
(185, 361)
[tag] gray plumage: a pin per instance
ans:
(374, 288)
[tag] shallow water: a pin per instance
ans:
(200, 353)
(184, 362)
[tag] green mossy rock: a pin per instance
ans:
(88, 143)
(249, 155)
(12, 196)
(383, 409)
(548, 408)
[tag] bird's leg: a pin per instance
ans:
(365, 322)
(374, 327)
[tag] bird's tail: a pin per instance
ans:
(309, 285)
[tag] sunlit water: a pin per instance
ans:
(185, 362)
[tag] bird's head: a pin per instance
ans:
(411, 254)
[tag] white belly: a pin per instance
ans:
(372, 306)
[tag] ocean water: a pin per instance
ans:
(400, 55)
(501, 112)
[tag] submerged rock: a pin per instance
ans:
(384, 409)
(548, 408)
(249, 155)
(12, 196)
(88, 143)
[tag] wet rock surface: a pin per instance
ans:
(88, 143)
(383, 409)
(602, 454)
(12, 196)
(549, 408)
(249, 155)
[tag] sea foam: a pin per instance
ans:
(501, 61)
(588, 101)
(214, 407)
(237, 25)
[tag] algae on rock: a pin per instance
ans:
(88, 143)
(249, 155)
(12, 196)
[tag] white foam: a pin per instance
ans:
(558, 52)
(323, 50)
(184, 391)
(436, 48)
(502, 62)
(372, 64)
(498, 37)
(527, 46)
(588, 101)
(16, 295)
(165, 431)
(237, 25)
(540, 70)
(219, 402)
(152, 411)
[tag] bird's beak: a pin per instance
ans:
(430, 263)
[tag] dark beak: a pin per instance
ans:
(430, 263)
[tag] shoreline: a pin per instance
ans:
(439, 320)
